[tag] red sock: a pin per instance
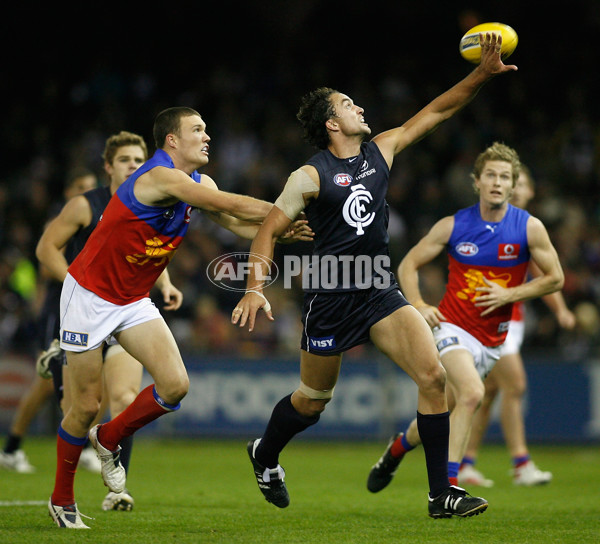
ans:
(140, 412)
(453, 481)
(67, 457)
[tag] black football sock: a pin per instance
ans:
(434, 430)
(285, 422)
(126, 446)
(13, 443)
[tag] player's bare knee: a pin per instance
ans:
(432, 379)
(174, 390)
(122, 401)
(86, 411)
(471, 397)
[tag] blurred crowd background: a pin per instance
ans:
(244, 68)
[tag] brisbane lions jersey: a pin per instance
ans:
(133, 242)
(350, 220)
(478, 249)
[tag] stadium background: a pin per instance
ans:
(71, 77)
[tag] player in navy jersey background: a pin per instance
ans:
(342, 191)
(489, 247)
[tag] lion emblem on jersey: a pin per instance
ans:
(474, 279)
(156, 250)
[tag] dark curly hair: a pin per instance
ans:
(315, 109)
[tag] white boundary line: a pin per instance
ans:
(23, 503)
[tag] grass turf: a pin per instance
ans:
(200, 491)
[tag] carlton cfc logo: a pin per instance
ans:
(343, 180)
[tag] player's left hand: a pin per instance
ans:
(492, 296)
(172, 297)
(246, 309)
(491, 43)
(298, 231)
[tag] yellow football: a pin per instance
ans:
(469, 44)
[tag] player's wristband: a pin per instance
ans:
(267, 306)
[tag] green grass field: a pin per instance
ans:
(203, 491)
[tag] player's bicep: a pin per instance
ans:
(543, 253)
(301, 186)
(75, 214)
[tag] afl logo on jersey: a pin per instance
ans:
(343, 180)
(188, 214)
(354, 209)
(467, 249)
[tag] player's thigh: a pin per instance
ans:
(153, 345)
(319, 372)
(406, 339)
(82, 377)
(122, 373)
(510, 373)
(461, 373)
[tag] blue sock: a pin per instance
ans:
(453, 469)
(468, 460)
(518, 461)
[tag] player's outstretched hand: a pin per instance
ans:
(491, 43)
(246, 309)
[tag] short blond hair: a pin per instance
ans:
(497, 152)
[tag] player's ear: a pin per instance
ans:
(331, 125)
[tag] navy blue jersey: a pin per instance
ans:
(350, 221)
(49, 324)
(98, 199)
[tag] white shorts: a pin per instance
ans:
(514, 338)
(87, 320)
(449, 337)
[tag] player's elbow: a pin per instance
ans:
(557, 281)
(40, 252)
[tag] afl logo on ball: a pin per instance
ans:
(343, 180)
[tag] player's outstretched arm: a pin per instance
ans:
(447, 104)
(165, 186)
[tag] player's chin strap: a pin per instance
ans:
(267, 306)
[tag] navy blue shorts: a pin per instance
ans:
(335, 322)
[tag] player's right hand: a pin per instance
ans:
(431, 314)
(246, 309)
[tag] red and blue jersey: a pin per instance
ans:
(133, 242)
(478, 249)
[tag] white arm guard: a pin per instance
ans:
(291, 200)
